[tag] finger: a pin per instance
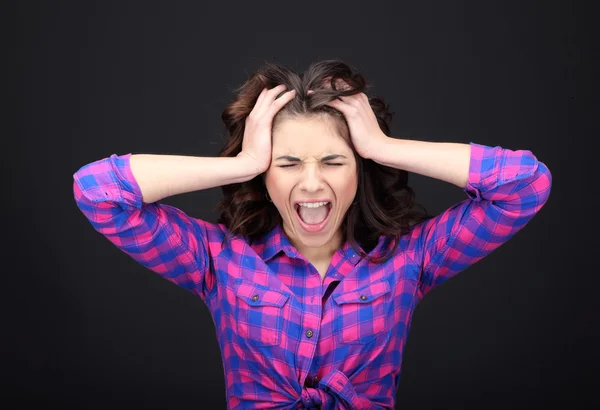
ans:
(274, 92)
(261, 96)
(338, 105)
(266, 97)
(283, 100)
(348, 110)
(356, 101)
(347, 101)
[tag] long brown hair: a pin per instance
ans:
(385, 204)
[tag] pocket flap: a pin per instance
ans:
(366, 294)
(258, 295)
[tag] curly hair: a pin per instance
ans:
(386, 204)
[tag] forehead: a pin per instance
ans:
(308, 136)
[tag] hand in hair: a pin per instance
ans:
(367, 137)
(256, 144)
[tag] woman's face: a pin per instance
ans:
(311, 162)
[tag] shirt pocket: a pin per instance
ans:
(361, 313)
(260, 313)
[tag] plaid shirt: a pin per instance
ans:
(289, 339)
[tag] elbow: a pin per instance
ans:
(529, 196)
(534, 195)
(542, 184)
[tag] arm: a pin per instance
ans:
(119, 195)
(441, 160)
(506, 189)
(446, 161)
(161, 176)
(160, 237)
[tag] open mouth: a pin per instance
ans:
(313, 217)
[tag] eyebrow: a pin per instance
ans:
(326, 158)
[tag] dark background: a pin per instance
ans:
(85, 327)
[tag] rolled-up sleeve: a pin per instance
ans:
(505, 190)
(160, 237)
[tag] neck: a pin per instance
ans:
(318, 253)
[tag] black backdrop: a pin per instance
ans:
(85, 327)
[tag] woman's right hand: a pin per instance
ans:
(256, 145)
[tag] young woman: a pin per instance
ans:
(320, 255)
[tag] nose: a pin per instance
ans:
(311, 179)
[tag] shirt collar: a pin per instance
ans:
(275, 242)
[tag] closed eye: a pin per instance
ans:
(293, 165)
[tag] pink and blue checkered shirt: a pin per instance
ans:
(288, 339)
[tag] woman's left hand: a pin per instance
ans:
(366, 135)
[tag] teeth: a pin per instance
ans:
(313, 204)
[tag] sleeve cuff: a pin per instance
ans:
(490, 167)
(110, 179)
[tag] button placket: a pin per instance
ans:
(309, 330)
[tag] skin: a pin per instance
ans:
(310, 139)
(313, 137)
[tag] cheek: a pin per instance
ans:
(277, 186)
(347, 186)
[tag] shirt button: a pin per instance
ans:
(254, 298)
(309, 333)
(363, 297)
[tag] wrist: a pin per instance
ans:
(252, 167)
(377, 147)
